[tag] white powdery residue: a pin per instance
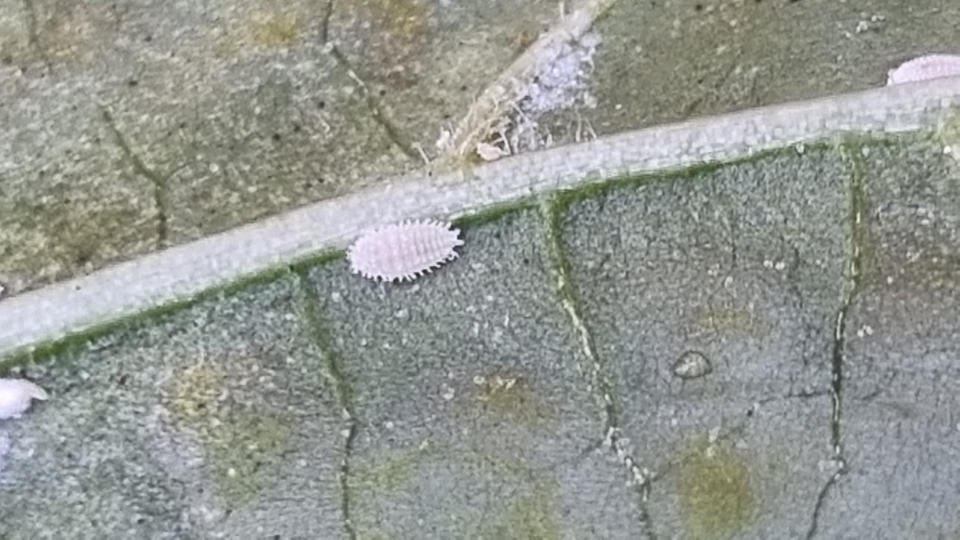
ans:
(563, 83)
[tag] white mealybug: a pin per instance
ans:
(15, 396)
(404, 251)
(922, 68)
(692, 364)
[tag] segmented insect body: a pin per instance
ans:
(15, 396)
(692, 364)
(931, 66)
(404, 251)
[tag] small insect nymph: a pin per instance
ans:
(922, 68)
(15, 396)
(404, 251)
(692, 364)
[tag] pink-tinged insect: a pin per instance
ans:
(16, 395)
(922, 68)
(404, 251)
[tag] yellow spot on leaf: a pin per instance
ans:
(715, 493)
(274, 29)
